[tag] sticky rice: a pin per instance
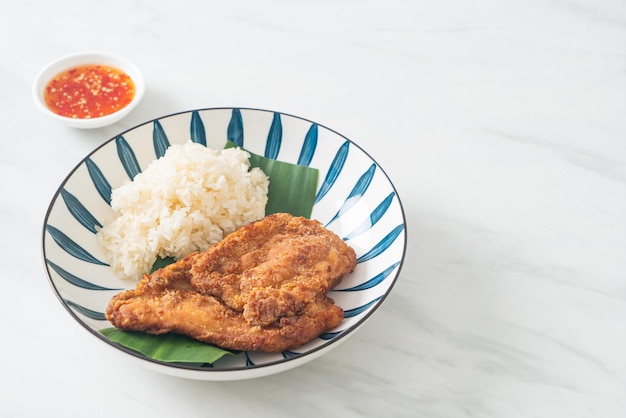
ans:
(183, 202)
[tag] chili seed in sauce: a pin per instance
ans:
(89, 91)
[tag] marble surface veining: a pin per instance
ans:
(502, 125)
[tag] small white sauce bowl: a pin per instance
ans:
(88, 58)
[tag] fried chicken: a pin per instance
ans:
(263, 287)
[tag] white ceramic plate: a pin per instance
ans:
(355, 199)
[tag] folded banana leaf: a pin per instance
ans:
(292, 187)
(167, 347)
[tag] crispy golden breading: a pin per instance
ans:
(261, 288)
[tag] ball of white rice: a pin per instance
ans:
(183, 202)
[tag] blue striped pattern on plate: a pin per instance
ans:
(355, 199)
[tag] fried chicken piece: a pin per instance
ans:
(263, 287)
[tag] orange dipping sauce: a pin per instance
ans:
(89, 91)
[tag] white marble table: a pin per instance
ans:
(502, 124)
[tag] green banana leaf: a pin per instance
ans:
(161, 262)
(167, 347)
(292, 189)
